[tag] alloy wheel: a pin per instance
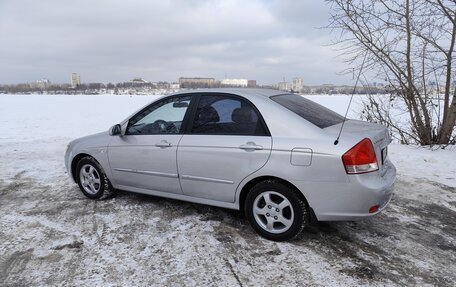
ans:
(90, 179)
(273, 212)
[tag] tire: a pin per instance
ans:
(276, 211)
(92, 179)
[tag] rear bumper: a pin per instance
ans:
(351, 200)
(350, 213)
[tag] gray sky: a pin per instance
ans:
(113, 41)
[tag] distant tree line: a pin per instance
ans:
(95, 88)
(198, 85)
(345, 90)
(68, 89)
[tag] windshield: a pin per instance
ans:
(318, 115)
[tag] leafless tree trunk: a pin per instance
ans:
(410, 44)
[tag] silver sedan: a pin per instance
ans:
(267, 153)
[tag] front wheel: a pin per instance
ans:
(91, 179)
(276, 211)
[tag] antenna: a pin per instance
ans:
(351, 98)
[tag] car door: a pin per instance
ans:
(226, 141)
(145, 157)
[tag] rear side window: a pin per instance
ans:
(309, 110)
(225, 115)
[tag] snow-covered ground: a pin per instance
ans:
(51, 234)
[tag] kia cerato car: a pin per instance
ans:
(268, 153)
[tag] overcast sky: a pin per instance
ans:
(114, 41)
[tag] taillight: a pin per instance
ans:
(360, 158)
(374, 209)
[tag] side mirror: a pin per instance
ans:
(180, 105)
(115, 130)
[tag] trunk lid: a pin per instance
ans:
(354, 131)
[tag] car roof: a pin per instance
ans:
(245, 92)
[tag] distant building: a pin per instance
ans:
(75, 80)
(196, 82)
(138, 81)
(284, 86)
(251, 83)
(297, 84)
(235, 82)
(41, 84)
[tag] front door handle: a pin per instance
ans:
(251, 146)
(163, 144)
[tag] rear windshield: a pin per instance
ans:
(309, 110)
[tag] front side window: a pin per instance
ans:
(225, 115)
(163, 117)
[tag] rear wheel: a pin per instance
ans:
(276, 211)
(92, 180)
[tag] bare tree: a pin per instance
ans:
(410, 44)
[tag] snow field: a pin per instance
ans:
(50, 234)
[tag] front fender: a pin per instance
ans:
(95, 146)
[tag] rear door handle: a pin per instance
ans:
(163, 143)
(251, 146)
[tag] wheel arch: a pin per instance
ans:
(74, 163)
